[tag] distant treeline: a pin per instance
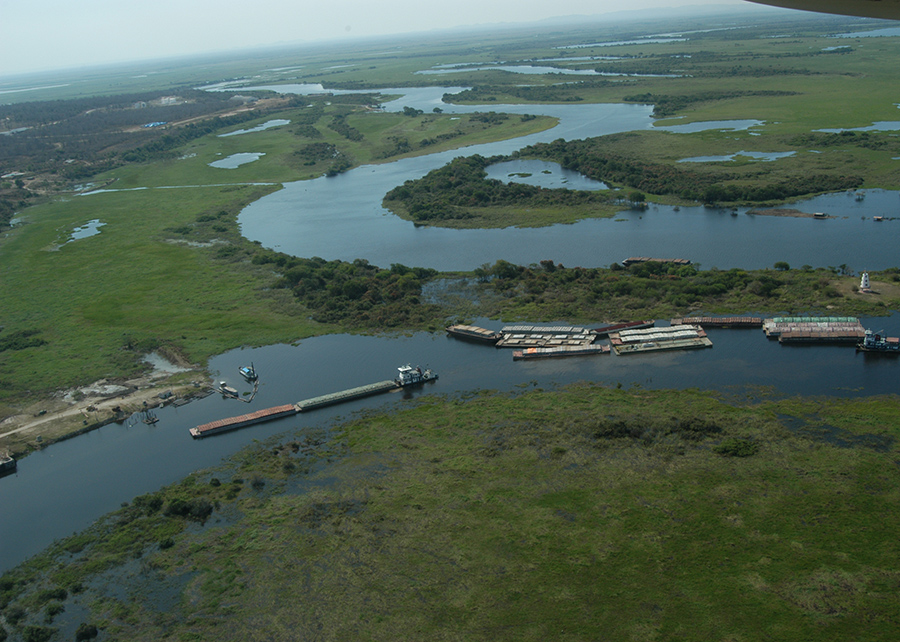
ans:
(594, 158)
(448, 192)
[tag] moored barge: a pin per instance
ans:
(814, 329)
(720, 322)
(629, 325)
(653, 339)
(562, 351)
(473, 333)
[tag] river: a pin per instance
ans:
(341, 217)
(67, 486)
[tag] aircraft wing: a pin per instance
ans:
(888, 9)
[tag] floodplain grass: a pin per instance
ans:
(169, 267)
(580, 513)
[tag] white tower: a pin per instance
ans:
(864, 282)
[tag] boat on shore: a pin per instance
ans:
(878, 343)
(7, 464)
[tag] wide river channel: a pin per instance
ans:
(65, 487)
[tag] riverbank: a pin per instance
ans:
(67, 413)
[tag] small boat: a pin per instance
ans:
(149, 417)
(248, 372)
(227, 390)
(877, 218)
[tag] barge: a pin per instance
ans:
(814, 329)
(682, 337)
(631, 260)
(232, 423)
(473, 333)
(629, 325)
(538, 336)
(562, 351)
(720, 322)
(877, 343)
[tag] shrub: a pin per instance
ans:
(732, 447)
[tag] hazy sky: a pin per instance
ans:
(55, 34)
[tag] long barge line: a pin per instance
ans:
(720, 322)
(631, 260)
(407, 376)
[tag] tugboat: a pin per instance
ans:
(409, 376)
(878, 343)
(248, 372)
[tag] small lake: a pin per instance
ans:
(236, 160)
(269, 124)
(91, 228)
(760, 156)
(542, 174)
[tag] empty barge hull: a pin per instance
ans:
(346, 395)
(720, 322)
(232, 423)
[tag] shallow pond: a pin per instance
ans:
(236, 160)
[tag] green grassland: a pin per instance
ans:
(169, 267)
(589, 512)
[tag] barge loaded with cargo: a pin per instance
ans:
(561, 351)
(814, 329)
(473, 333)
(683, 337)
(406, 376)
